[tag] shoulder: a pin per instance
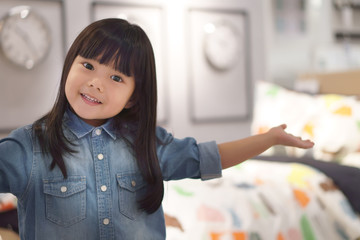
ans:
(161, 132)
(163, 135)
(19, 138)
(22, 133)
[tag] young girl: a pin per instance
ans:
(93, 167)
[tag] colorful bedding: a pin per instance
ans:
(7, 202)
(332, 121)
(260, 200)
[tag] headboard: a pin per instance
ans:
(341, 82)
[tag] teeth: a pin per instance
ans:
(90, 98)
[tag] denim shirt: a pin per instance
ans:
(98, 199)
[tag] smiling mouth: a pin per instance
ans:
(90, 99)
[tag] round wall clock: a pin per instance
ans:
(24, 37)
(222, 45)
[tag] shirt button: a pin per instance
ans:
(133, 183)
(103, 188)
(63, 189)
(106, 221)
(98, 131)
(100, 156)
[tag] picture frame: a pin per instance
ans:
(219, 64)
(28, 94)
(151, 19)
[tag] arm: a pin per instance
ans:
(235, 152)
(185, 158)
(15, 163)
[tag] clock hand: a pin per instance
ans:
(20, 32)
(27, 40)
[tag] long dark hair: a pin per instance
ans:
(128, 47)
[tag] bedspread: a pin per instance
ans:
(7, 202)
(260, 200)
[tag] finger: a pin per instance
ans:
(306, 144)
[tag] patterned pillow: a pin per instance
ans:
(331, 121)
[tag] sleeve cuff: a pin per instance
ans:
(210, 162)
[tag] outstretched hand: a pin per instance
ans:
(283, 138)
(235, 152)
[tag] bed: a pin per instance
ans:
(285, 193)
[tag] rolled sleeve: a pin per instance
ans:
(210, 164)
(185, 158)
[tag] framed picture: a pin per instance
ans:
(31, 59)
(151, 19)
(219, 65)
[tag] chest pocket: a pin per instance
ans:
(65, 200)
(130, 187)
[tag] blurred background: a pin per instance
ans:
(206, 76)
(209, 54)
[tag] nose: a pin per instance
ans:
(96, 83)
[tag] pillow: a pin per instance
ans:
(332, 121)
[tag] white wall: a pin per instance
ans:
(178, 119)
(78, 15)
(315, 49)
(25, 94)
(290, 53)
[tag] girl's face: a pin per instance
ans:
(96, 91)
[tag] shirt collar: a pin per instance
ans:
(80, 128)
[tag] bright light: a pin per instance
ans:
(316, 3)
(24, 13)
(122, 16)
(209, 28)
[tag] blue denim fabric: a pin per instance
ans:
(98, 199)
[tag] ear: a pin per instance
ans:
(129, 104)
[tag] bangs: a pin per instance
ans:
(103, 47)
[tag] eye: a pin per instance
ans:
(116, 78)
(88, 66)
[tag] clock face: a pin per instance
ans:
(221, 45)
(24, 37)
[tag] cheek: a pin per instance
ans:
(131, 101)
(121, 99)
(70, 85)
(70, 90)
(67, 88)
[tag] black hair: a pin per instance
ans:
(128, 47)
